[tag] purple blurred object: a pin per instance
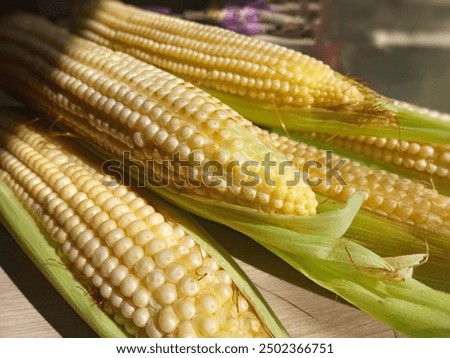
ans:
(245, 19)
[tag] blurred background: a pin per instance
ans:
(400, 48)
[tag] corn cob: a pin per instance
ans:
(218, 58)
(433, 159)
(384, 193)
(131, 106)
(153, 276)
(269, 84)
(412, 159)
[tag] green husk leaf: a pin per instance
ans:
(36, 243)
(395, 292)
(408, 306)
(407, 124)
(389, 237)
